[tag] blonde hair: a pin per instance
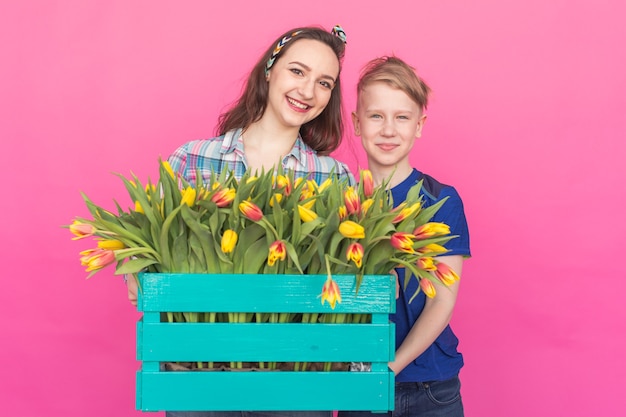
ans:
(397, 74)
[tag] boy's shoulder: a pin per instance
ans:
(432, 188)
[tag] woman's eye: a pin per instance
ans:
(296, 71)
(326, 84)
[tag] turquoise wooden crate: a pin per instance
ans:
(158, 343)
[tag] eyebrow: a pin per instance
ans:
(306, 67)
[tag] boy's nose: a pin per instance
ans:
(389, 129)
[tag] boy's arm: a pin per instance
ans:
(432, 321)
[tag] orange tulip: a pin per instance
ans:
(343, 213)
(446, 274)
(427, 287)
(223, 197)
(81, 230)
(250, 210)
(283, 182)
(355, 254)
(353, 203)
(331, 293)
(427, 263)
(278, 251)
(403, 242)
(432, 248)
(431, 229)
(368, 182)
(406, 212)
(95, 259)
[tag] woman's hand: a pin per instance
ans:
(131, 284)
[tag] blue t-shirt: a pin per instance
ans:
(441, 360)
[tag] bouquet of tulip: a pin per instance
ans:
(270, 223)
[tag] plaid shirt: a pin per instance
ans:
(226, 152)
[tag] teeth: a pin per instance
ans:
(297, 104)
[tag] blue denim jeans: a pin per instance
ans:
(248, 413)
(422, 399)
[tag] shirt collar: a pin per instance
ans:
(233, 142)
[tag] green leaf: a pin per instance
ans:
(134, 265)
(255, 257)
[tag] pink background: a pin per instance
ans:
(527, 120)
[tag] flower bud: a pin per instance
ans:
(351, 230)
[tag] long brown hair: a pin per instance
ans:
(323, 133)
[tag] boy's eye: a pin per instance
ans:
(375, 116)
(403, 117)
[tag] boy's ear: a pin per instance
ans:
(356, 124)
(420, 126)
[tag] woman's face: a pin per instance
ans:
(301, 82)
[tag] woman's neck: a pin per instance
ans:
(265, 145)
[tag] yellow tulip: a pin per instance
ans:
(111, 244)
(169, 169)
(138, 207)
(305, 214)
(351, 230)
(188, 196)
(229, 240)
(276, 198)
(366, 205)
(327, 182)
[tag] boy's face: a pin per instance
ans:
(388, 122)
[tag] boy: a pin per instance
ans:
(390, 115)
